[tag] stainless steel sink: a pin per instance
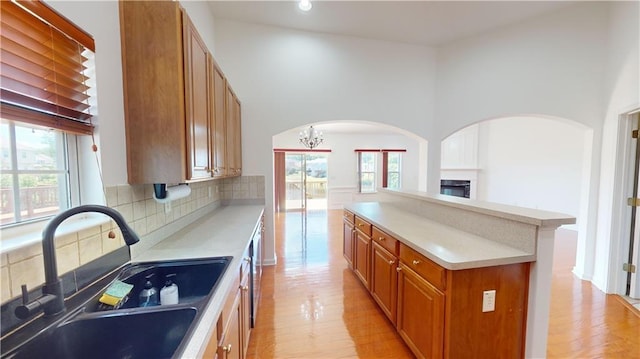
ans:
(86, 331)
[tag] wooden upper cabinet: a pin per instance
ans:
(233, 132)
(218, 126)
(196, 59)
(154, 91)
(182, 118)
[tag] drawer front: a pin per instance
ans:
(348, 216)
(425, 267)
(385, 240)
(363, 226)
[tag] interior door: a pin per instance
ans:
(633, 280)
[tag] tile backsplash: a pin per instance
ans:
(137, 206)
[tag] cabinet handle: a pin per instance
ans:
(227, 348)
(381, 238)
(245, 288)
(247, 259)
(399, 269)
(392, 262)
(360, 224)
(416, 262)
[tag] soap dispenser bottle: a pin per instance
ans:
(169, 293)
(149, 295)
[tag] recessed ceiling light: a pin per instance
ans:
(305, 5)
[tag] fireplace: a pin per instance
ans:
(458, 188)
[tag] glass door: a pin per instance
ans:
(306, 181)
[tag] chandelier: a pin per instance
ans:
(311, 138)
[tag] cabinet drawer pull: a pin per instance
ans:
(227, 348)
(245, 288)
(381, 238)
(416, 262)
(392, 262)
(360, 224)
(399, 269)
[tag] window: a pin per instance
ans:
(367, 172)
(391, 169)
(35, 173)
(46, 99)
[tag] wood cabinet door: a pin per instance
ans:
(420, 320)
(154, 91)
(196, 59)
(348, 242)
(218, 121)
(230, 343)
(245, 313)
(234, 148)
(362, 257)
(384, 280)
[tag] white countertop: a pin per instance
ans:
(224, 232)
(449, 247)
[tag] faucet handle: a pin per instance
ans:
(25, 294)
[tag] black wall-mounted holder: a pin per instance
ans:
(160, 190)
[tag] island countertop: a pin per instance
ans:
(449, 247)
(226, 231)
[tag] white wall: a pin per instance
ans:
(287, 79)
(534, 163)
(621, 94)
(552, 65)
(549, 65)
(342, 160)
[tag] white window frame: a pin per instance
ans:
(361, 172)
(399, 171)
(68, 156)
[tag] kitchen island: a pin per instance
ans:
(466, 266)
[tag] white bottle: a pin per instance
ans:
(169, 293)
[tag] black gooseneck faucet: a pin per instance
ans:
(52, 299)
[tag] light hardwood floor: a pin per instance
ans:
(312, 305)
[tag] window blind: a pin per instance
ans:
(43, 77)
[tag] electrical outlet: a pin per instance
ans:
(488, 301)
(167, 207)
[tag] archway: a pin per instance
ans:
(538, 162)
(343, 138)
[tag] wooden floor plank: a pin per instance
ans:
(312, 305)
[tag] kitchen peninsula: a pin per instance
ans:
(471, 276)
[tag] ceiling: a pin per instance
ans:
(429, 23)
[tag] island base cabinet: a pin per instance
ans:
(421, 309)
(384, 284)
(347, 245)
(361, 262)
(495, 334)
